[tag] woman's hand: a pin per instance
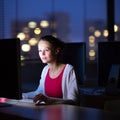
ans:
(40, 97)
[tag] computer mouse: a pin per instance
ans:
(40, 102)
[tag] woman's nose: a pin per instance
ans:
(43, 52)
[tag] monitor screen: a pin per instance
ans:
(75, 54)
(10, 82)
(108, 63)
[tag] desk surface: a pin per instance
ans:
(54, 112)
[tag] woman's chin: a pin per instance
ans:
(44, 61)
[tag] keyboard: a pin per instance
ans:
(26, 101)
(13, 101)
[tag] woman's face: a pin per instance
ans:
(45, 51)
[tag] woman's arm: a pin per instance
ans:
(40, 88)
(52, 100)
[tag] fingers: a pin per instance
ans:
(39, 97)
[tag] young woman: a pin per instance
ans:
(58, 82)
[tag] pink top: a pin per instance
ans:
(53, 86)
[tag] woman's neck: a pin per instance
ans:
(55, 69)
(54, 65)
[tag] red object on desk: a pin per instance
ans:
(3, 100)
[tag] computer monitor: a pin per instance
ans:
(75, 54)
(10, 73)
(108, 64)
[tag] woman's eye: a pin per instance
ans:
(48, 50)
(40, 50)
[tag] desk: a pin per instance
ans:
(95, 97)
(96, 101)
(55, 112)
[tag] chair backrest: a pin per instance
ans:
(75, 54)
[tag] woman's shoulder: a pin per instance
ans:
(45, 68)
(44, 71)
(69, 66)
